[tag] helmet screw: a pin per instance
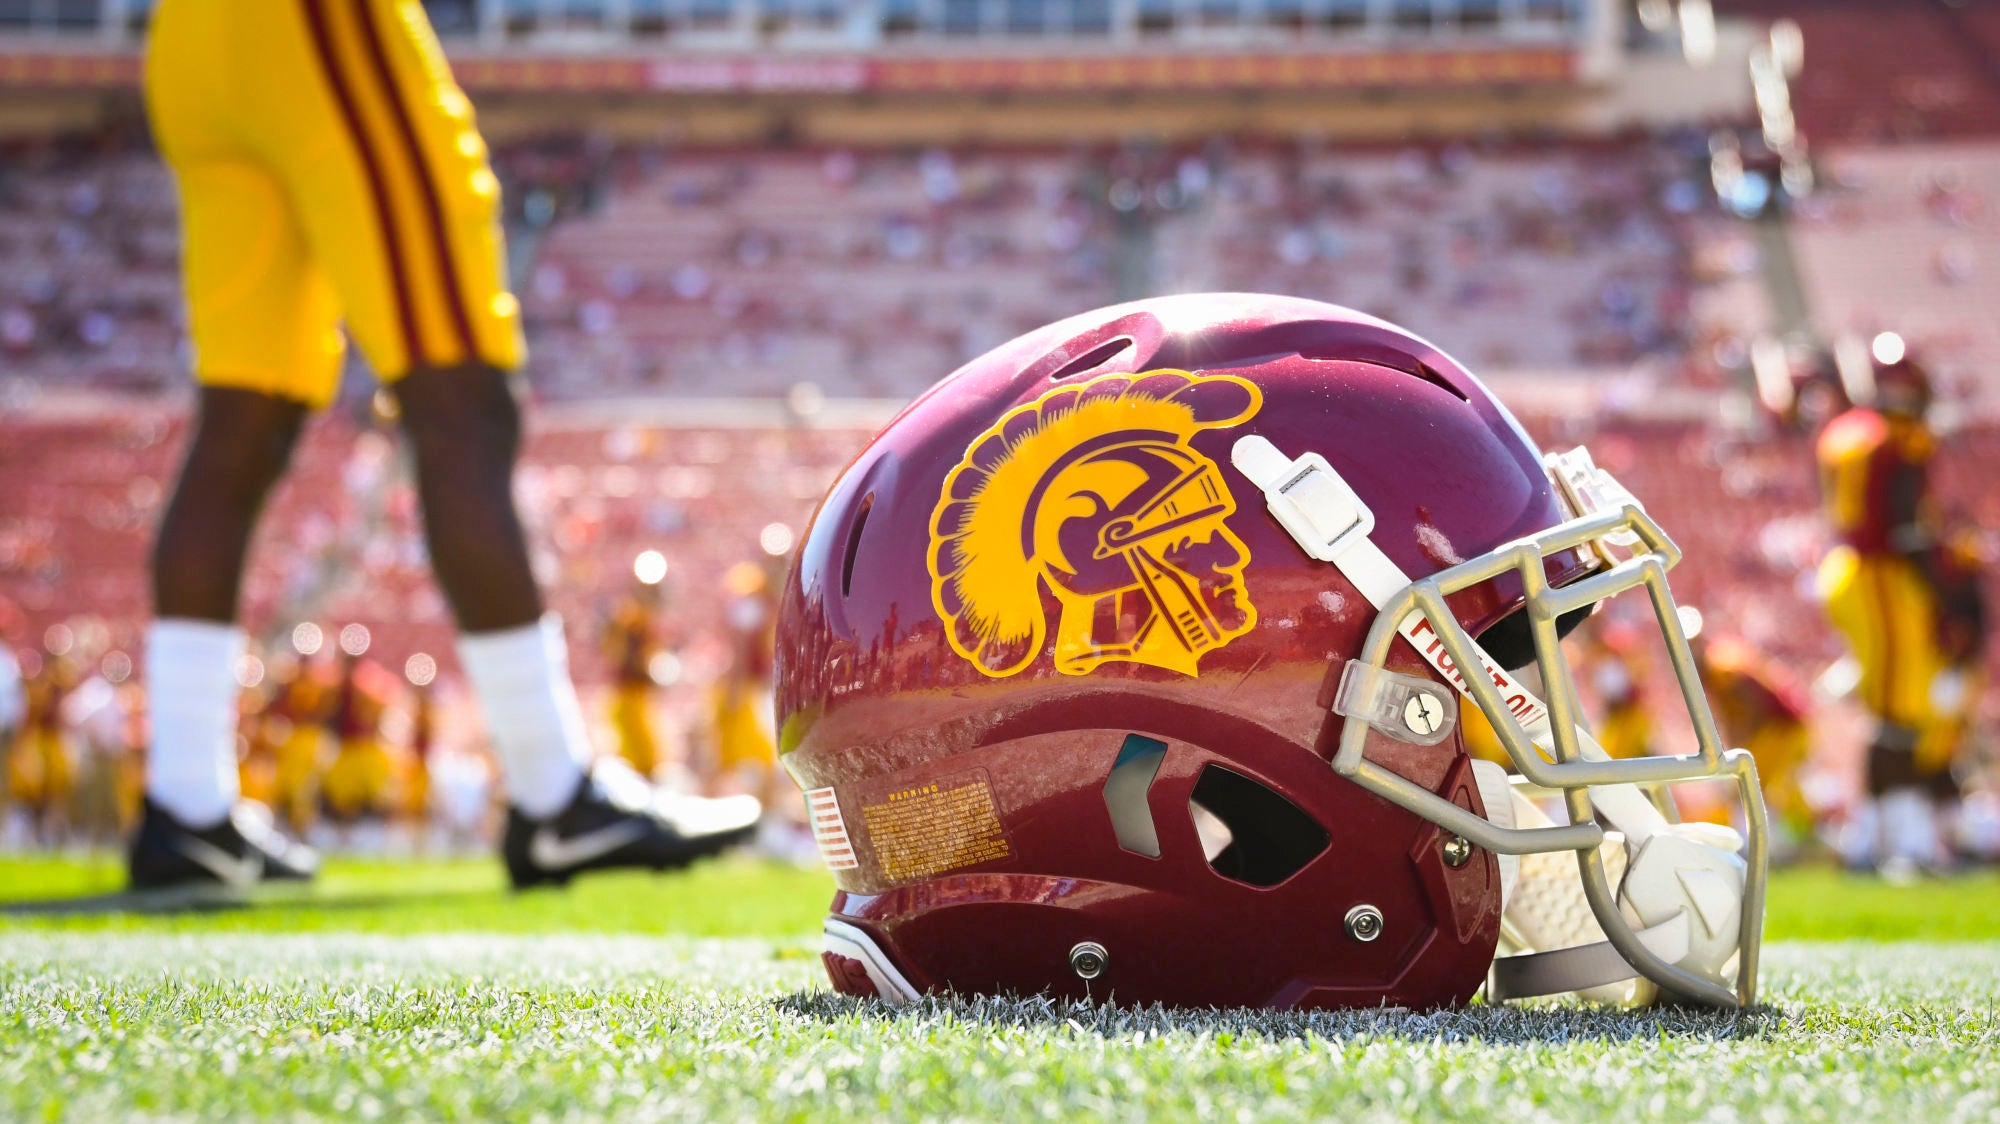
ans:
(1457, 852)
(1364, 923)
(1423, 714)
(1088, 959)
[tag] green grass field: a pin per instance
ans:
(426, 990)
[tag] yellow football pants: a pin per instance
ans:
(329, 168)
(1885, 609)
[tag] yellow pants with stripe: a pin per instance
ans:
(329, 169)
(1885, 608)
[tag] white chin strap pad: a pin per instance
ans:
(1681, 889)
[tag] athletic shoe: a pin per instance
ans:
(619, 819)
(241, 852)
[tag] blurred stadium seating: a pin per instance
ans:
(1902, 237)
(872, 273)
(342, 542)
(89, 265)
(1930, 67)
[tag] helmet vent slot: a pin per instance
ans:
(1425, 372)
(1251, 834)
(1125, 791)
(1394, 360)
(1091, 360)
(854, 544)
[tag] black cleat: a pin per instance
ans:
(241, 852)
(619, 819)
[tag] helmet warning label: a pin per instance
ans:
(932, 828)
(829, 830)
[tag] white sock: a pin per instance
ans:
(1910, 827)
(521, 676)
(191, 673)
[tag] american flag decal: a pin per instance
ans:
(829, 830)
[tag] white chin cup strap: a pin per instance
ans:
(1690, 872)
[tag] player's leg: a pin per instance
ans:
(1904, 613)
(242, 442)
(465, 429)
(1850, 590)
(261, 322)
(241, 446)
(402, 209)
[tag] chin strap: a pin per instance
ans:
(1668, 870)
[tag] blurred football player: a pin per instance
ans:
(362, 783)
(1881, 589)
(630, 645)
(329, 169)
(295, 725)
(41, 769)
(258, 728)
(740, 702)
(95, 714)
(421, 671)
(13, 707)
(1959, 565)
(1760, 707)
(130, 785)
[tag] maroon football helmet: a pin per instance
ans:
(1124, 663)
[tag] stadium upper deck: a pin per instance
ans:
(863, 24)
(864, 72)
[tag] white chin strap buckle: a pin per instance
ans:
(1306, 496)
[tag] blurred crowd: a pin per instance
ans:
(869, 272)
(89, 264)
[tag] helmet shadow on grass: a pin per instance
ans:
(1548, 1022)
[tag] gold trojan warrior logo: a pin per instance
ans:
(1096, 491)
